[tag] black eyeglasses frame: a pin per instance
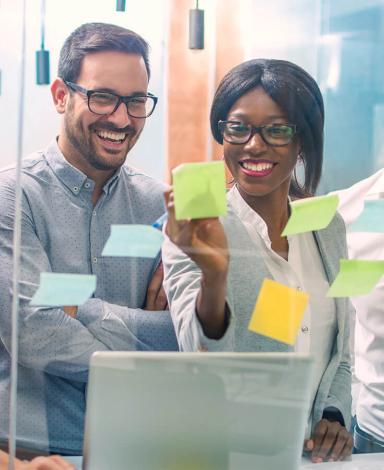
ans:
(121, 99)
(256, 130)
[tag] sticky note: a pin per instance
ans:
(356, 277)
(199, 190)
(141, 241)
(278, 311)
(371, 219)
(313, 213)
(61, 289)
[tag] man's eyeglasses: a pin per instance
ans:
(140, 105)
(238, 133)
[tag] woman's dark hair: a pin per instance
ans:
(97, 37)
(297, 94)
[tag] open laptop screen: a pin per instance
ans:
(196, 411)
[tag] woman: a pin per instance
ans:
(269, 117)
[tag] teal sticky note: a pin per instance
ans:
(62, 289)
(199, 190)
(371, 219)
(356, 277)
(313, 213)
(141, 241)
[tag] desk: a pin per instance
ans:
(358, 462)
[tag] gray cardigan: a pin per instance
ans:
(247, 270)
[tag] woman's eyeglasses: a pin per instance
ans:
(238, 133)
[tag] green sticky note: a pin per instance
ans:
(313, 213)
(199, 190)
(61, 289)
(356, 277)
(141, 241)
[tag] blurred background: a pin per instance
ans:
(339, 42)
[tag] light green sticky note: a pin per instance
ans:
(61, 289)
(141, 241)
(313, 213)
(356, 277)
(199, 190)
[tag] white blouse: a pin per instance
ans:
(304, 270)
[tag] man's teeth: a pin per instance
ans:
(257, 166)
(116, 136)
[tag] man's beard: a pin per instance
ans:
(84, 146)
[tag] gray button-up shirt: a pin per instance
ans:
(63, 232)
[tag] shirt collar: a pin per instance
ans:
(377, 187)
(248, 216)
(72, 177)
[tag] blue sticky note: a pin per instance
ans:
(62, 289)
(371, 219)
(140, 241)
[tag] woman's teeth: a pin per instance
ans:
(256, 166)
(114, 136)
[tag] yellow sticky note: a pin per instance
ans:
(278, 311)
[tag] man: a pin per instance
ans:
(72, 192)
(53, 462)
(369, 327)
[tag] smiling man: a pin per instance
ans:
(72, 192)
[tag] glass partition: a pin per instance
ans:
(71, 213)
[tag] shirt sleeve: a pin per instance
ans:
(339, 396)
(49, 339)
(182, 284)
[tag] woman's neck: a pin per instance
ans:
(273, 208)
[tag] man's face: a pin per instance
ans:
(104, 141)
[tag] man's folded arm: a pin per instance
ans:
(49, 339)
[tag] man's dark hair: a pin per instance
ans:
(96, 37)
(297, 94)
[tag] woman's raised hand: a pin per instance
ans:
(203, 240)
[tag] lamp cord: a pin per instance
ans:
(42, 24)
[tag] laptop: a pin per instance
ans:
(196, 411)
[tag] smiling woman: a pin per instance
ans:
(269, 117)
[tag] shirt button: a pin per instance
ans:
(87, 185)
(304, 329)
(94, 213)
(94, 259)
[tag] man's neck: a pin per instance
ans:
(99, 177)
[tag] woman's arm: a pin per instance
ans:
(205, 243)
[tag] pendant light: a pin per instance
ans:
(196, 28)
(42, 56)
(120, 5)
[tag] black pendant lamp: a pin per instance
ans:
(120, 5)
(196, 28)
(42, 56)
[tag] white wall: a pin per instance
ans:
(146, 17)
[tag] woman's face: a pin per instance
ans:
(258, 168)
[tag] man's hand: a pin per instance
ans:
(71, 311)
(53, 462)
(330, 442)
(156, 298)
